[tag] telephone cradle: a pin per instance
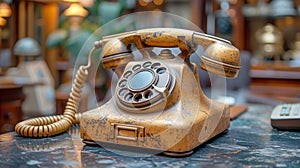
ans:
(158, 103)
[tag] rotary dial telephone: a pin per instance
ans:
(158, 102)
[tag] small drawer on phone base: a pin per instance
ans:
(128, 132)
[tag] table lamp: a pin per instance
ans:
(27, 47)
(269, 42)
(5, 10)
(40, 94)
(75, 14)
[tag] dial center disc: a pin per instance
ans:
(141, 80)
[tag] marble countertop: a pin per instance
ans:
(249, 142)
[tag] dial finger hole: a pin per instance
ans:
(122, 92)
(128, 97)
(155, 65)
(136, 67)
(148, 94)
(161, 70)
(123, 83)
(147, 64)
(138, 97)
(127, 74)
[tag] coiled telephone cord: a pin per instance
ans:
(53, 125)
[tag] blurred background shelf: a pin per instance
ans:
(276, 80)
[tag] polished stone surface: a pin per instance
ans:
(250, 141)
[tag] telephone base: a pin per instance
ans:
(122, 148)
(109, 131)
(178, 124)
(138, 149)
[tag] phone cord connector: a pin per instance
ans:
(53, 125)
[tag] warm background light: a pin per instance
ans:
(2, 22)
(76, 10)
(158, 2)
(71, 1)
(143, 3)
(5, 10)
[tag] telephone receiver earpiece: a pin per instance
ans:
(220, 57)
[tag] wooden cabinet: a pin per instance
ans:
(11, 98)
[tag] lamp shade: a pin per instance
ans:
(27, 47)
(5, 10)
(76, 10)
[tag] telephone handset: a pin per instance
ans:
(158, 102)
(220, 56)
